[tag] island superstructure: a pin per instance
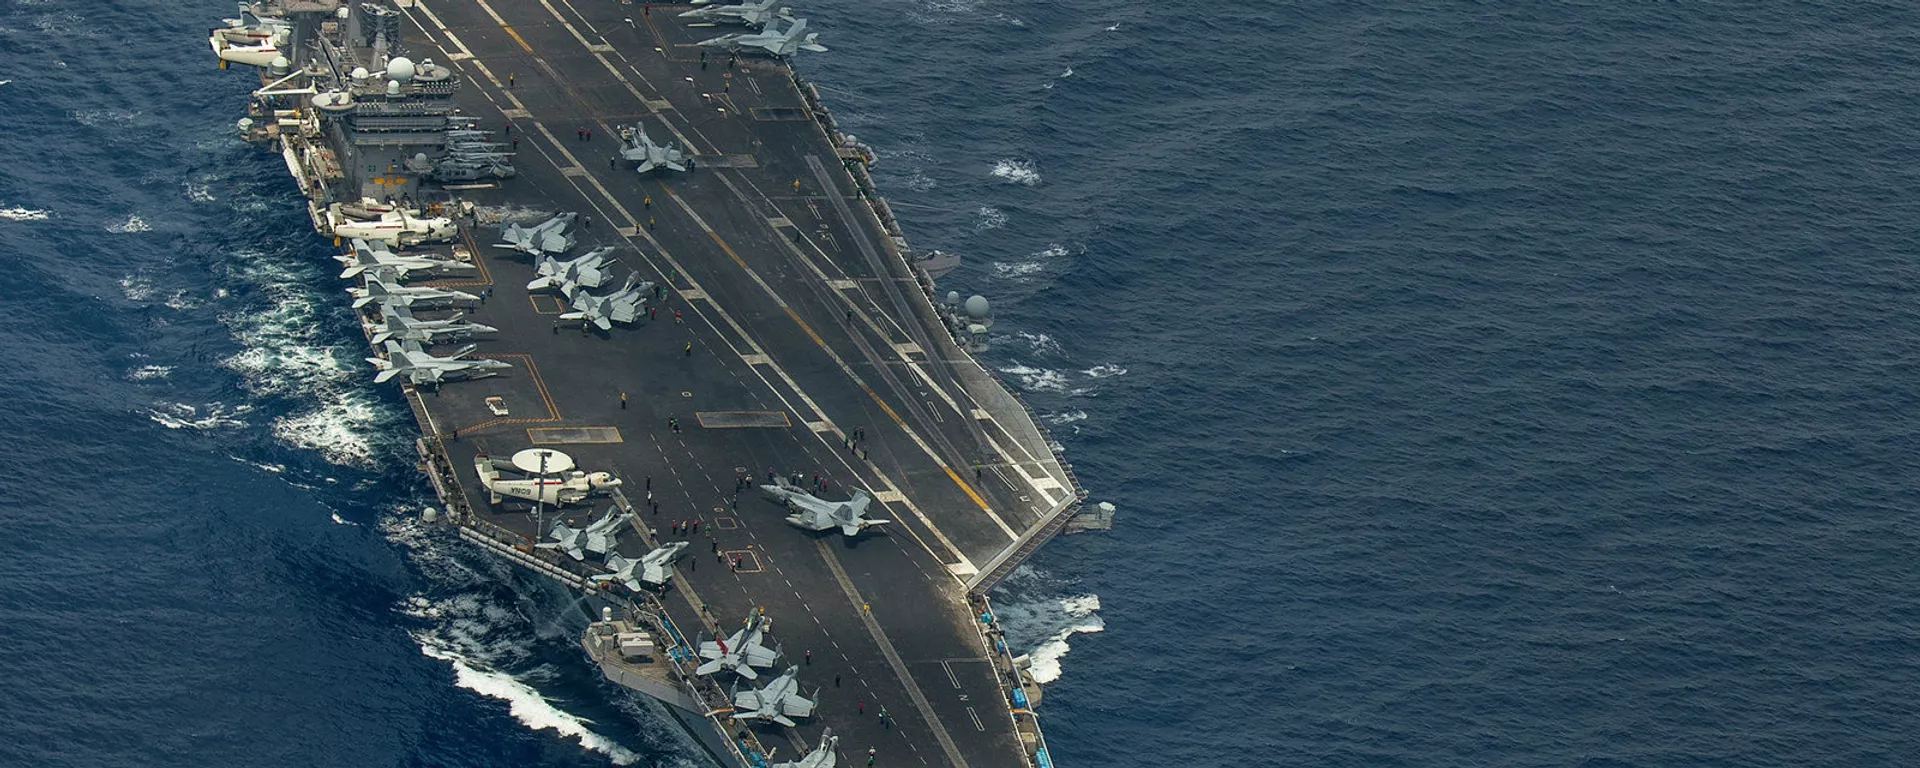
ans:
(753, 349)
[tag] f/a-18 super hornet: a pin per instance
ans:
(750, 14)
(651, 569)
(556, 488)
(621, 306)
(550, 236)
(409, 360)
(586, 272)
(816, 514)
(375, 255)
(822, 755)
(741, 652)
(598, 538)
(383, 286)
(794, 40)
(635, 146)
(397, 322)
(780, 701)
(397, 227)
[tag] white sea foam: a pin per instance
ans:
(181, 300)
(1104, 370)
(1068, 73)
(260, 465)
(1079, 610)
(990, 218)
(1037, 379)
(1016, 172)
(338, 520)
(1040, 343)
(133, 224)
(526, 704)
(1070, 417)
(920, 182)
(106, 117)
(1018, 269)
(18, 213)
(340, 431)
(199, 192)
(136, 288)
(205, 417)
(149, 372)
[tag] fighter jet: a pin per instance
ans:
(788, 43)
(750, 14)
(397, 228)
(780, 701)
(397, 322)
(547, 237)
(822, 755)
(598, 538)
(816, 514)
(407, 358)
(373, 255)
(252, 28)
(635, 146)
(652, 569)
(740, 653)
(383, 286)
(621, 306)
(558, 488)
(585, 272)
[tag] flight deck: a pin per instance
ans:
(788, 335)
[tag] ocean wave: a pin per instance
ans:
(345, 432)
(136, 288)
(149, 372)
(1062, 419)
(19, 213)
(1040, 343)
(1017, 269)
(1019, 172)
(199, 192)
(1041, 613)
(524, 703)
(990, 218)
(106, 117)
(1104, 370)
(1037, 379)
(205, 417)
(133, 224)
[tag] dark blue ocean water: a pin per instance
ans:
(1479, 386)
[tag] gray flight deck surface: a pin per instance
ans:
(765, 278)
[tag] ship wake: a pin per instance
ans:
(1040, 613)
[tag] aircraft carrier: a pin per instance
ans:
(790, 335)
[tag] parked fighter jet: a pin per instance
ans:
(598, 538)
(396, 228)
(621, 306)
(397, 322)
(558, 488)
(741, 652)
(252, 28)
(549, 236)
(635, 146)
(408, 359)
(816, 514)
(383, 285)
(822, 755)
(780, 701)
(788, 43)
(373, 255)
(585, 272)
(652, 569)
(751, 14)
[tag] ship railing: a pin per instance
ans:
(1007, 673)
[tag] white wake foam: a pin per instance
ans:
(149, 372)
(339, 430)
(1044, 659)
(1104, 370)
(133, 224)
(1070, 417)
(1042, 344)
(199, 192)
(1019, 172)
(211, 416)
(526, 704)
(18, 213)
(990, 218)
(1037, 379)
